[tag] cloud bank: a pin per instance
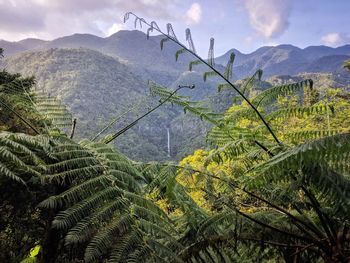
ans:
(335, 39)
(53, 18)
(269, 17)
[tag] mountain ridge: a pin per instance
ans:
(108, 72)
(274, 60)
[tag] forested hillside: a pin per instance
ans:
(121, 65)
(265, 173)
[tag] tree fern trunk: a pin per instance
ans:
(51, 244)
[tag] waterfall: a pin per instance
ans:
(168, 133)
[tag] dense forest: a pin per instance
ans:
(271, 185)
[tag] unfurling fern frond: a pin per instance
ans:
(190, 41)
(149, 30)
(127, 16)
(211, 52)
(228, 70)
(170, 31)
(191, 50)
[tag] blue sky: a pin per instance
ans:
(242, 24)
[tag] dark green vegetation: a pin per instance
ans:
(273, 184)
(111, 74)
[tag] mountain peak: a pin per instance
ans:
(288, 47)
(125, 33)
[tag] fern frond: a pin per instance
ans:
(19, 157)
(190, 41)
(319, 162)
(300, 111)
(242, 113)
(103, 241)
(309, 135)
(213, 224)
(229, 151)
(124, 246)
(208, 74)
(53, 110)
(162, 41)
(193, 107)
(170, 31)
(179, 52)
(249, 83)
(266, 97)
(228, 68)
(78, 173)
(192, 63)
(211, 52)
(128, 180)
(86, 228)
(69, 217)
(9, 174)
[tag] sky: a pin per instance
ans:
(242, 24)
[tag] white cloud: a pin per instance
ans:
(249, 40)
(115, 28)
(269, 17)
(335, 39)
(50, 19)
(194, 14)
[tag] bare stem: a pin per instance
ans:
(215, 70)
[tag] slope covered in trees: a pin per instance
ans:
(273, 185)
(84, 79)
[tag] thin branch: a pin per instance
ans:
(120, 132)
(217, 72)
(20, 117)
(73, 128)
(113, 121)
(262, 223)
(313, 229)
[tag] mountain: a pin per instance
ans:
(95, 87)
(143, 56)
(325, 63)
(100, 78)
(288, 59)
(149, 62)
(11, 48)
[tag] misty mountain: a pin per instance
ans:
(288, 59)
(100, 78)
(149, 61)
(96, 88)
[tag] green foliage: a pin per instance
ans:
(18, 112)
(258, 193)
(287, 225)
(347, 65)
